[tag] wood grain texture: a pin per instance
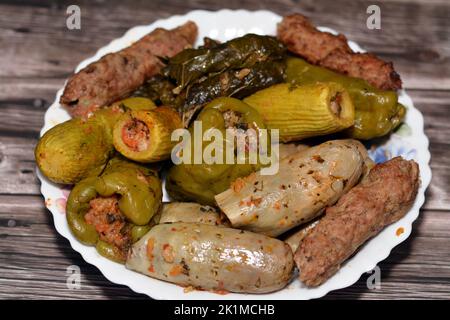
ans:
(39, 53)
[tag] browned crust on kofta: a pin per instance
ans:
(300, 36)
(117, 74)
(379, 73)
(327, 50)
(383, 197)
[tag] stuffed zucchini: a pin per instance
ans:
(377, 112)
(304, 111)
(145, 135)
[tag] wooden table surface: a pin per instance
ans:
(38, 53)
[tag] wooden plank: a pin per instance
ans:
(34, 259)
(40, 91)
(17, 166)
(22, 117)
(435, 107)
(45, 48)
(39, 53)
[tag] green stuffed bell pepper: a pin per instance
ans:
(201, 182)
(377, 112)
(114, 210)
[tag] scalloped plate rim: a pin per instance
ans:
(161, 290)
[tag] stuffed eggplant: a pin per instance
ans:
(213, 258)
(190, 212)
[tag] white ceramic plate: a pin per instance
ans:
(409, 141)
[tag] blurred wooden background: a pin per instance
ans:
(38, 53)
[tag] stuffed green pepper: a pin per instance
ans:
(200, 182)
(114, 210)
(377, 112)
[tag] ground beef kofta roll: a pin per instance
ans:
(382, 198)
(119, 73)
(301, 37)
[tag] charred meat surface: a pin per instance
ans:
(325, 49)
(382, 198)
(117, 74)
